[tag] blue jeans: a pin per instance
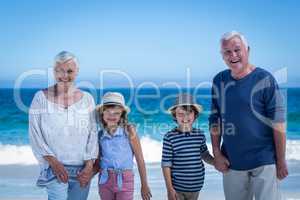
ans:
(67, 191)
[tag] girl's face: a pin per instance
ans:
(112, 116)
(184, 118)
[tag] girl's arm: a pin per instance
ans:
(138, 153)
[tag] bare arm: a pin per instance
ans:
(167, 177)
(138, 153)
(221, 163)
(168, 180)
(280, 147)
(215, 140)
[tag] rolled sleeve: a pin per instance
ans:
(167, 153)
(203, 147)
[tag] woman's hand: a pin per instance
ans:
(145, 192)
(85, 175)
(58, 169)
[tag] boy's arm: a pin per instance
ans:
(168, 180)
(167, 177)
(208, 158)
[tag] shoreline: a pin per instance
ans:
(18, 182)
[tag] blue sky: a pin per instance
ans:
(149, 40)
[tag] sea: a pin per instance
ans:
(148, 112)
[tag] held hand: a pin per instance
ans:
(281, 169)
(85, 175)
(172, 195)
(146, 193)
(59, 170)
(221, 163)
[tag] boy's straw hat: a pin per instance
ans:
(185, 100)
(113, 98)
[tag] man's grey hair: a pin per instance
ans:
(227, 36)
(64, 56)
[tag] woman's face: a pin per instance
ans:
(112, 116)
(66, 72)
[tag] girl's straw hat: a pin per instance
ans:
(185, 100)
(113, 98)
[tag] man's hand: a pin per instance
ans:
(281, 169)
(58, 169)
(221, 163)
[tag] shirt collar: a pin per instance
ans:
(118, 132)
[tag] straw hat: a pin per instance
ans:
(113, 98)
(185, 100)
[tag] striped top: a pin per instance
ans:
(182, 153)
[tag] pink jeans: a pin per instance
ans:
(110, 190)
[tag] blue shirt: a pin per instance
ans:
(182, 153)
(245, 109)
(115, 150)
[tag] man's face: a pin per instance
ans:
(235, 54)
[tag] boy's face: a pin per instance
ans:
(184, 118)
(112, 116)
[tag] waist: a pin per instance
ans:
(47, 175)
(113, 171)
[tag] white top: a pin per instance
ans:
(69, 134)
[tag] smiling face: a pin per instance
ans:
(112, 115)
(235, 54)
(185, 117)
(65, 72)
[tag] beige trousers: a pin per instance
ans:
(261, 183)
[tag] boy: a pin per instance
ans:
(184, 148)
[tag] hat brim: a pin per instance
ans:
(197, 106)
(126, 108)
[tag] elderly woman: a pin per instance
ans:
(63, 133)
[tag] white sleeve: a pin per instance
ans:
(92, 142)
(37, 140)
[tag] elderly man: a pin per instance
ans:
(248, 115)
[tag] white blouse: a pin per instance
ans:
(69, 134)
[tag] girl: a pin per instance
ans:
(118, 143)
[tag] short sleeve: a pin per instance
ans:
(167, 152)
(203, 147)
(274, 101)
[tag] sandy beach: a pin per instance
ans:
(18, 182)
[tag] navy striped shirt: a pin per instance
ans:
(182, 153)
